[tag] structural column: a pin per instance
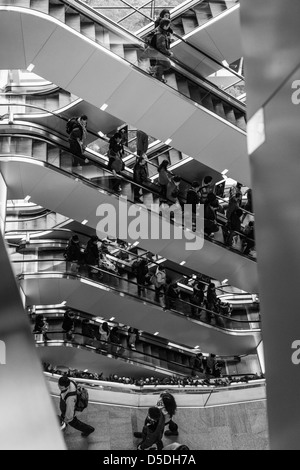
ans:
(271, 42)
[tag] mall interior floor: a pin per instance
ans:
(231, 427)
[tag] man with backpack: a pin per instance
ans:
(71, 400)
(76, 128)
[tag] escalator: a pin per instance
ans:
(153, 354)
(101, 75)
(25, 164)
(46, 278)
(200, 41)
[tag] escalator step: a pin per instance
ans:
(102, 36)
(88, 30)
(219, 109)
(207, 102)
(195, 93)
(130, 54)
(17, 3)
(73, 20)
(40, 5)
(5, 144)
(183, 87)
(241, 122)
(57, 11)
(175, 156)
(177, 27)
(24, 146)
(203, 13)
(189, 24)
(217, 7)
(229, 114)
(172, 81)
(53, 156)
(39, 150)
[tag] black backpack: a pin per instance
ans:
(71, 124)
(150, 39)
(82, 394)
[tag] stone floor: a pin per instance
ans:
(232, 427)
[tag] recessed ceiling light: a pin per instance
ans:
(84, 222)
(103, 107)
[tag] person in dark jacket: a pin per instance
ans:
(212, 299)
(173, 190)
(73, 250)
(140, 267)
(197, 364)
(140, 176)
(163, 179)
(171, 294)
(210, 220)
(197, 299)
(142, 142)
(234, 225)
(88, 331)
(249, 242)
(152, 431)
(116, 342)
(162, 45)
(91, 254)
(68, 325)
(77, 138)
(115, 163)
(193, 198)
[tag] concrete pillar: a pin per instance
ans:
(271, 42)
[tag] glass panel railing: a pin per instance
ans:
(95, 172)
(118, 283)
(155, 385)
(148, 349)
(132, 50)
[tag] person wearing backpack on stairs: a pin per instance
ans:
(68, 399)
